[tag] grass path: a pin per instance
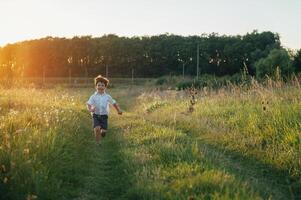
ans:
(141, 158)
(107, 176)
(263, 178)
(110, 176)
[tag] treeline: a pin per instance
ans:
(148, 56)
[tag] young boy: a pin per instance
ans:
(98, 105)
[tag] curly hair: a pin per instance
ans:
(102, 79)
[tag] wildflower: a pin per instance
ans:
(5, 180)
(264, 105)
(192, 94)
(191, 108)
(12, 164)
(19, 131)
(3, 168)
(26, 151)
(8, 146)
(31, 197)
(13, 112)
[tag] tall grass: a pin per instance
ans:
(263, 122)
(238, 142)
(260, 122)
(168, 165)
(41, 144)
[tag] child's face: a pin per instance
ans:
(100, 86)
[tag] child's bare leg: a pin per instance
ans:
(103, 132)
(97, 132)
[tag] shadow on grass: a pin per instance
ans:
(262, 177)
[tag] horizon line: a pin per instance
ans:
(133, 36)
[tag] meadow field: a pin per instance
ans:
(235, 142)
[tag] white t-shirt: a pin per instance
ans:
(101, 103)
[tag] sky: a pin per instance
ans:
(32, 19)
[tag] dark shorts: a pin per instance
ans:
(100, 120)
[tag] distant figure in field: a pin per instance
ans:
(98, 105)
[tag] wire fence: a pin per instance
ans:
(71, 82)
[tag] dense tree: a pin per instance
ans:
(147, 56)
(297, 61)
(278, 58)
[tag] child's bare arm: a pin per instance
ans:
(116, 106)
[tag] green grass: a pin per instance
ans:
(109, 173)
(237, 123)
(234, 145)
(170, 165)
(47, 150)
(42, 144)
